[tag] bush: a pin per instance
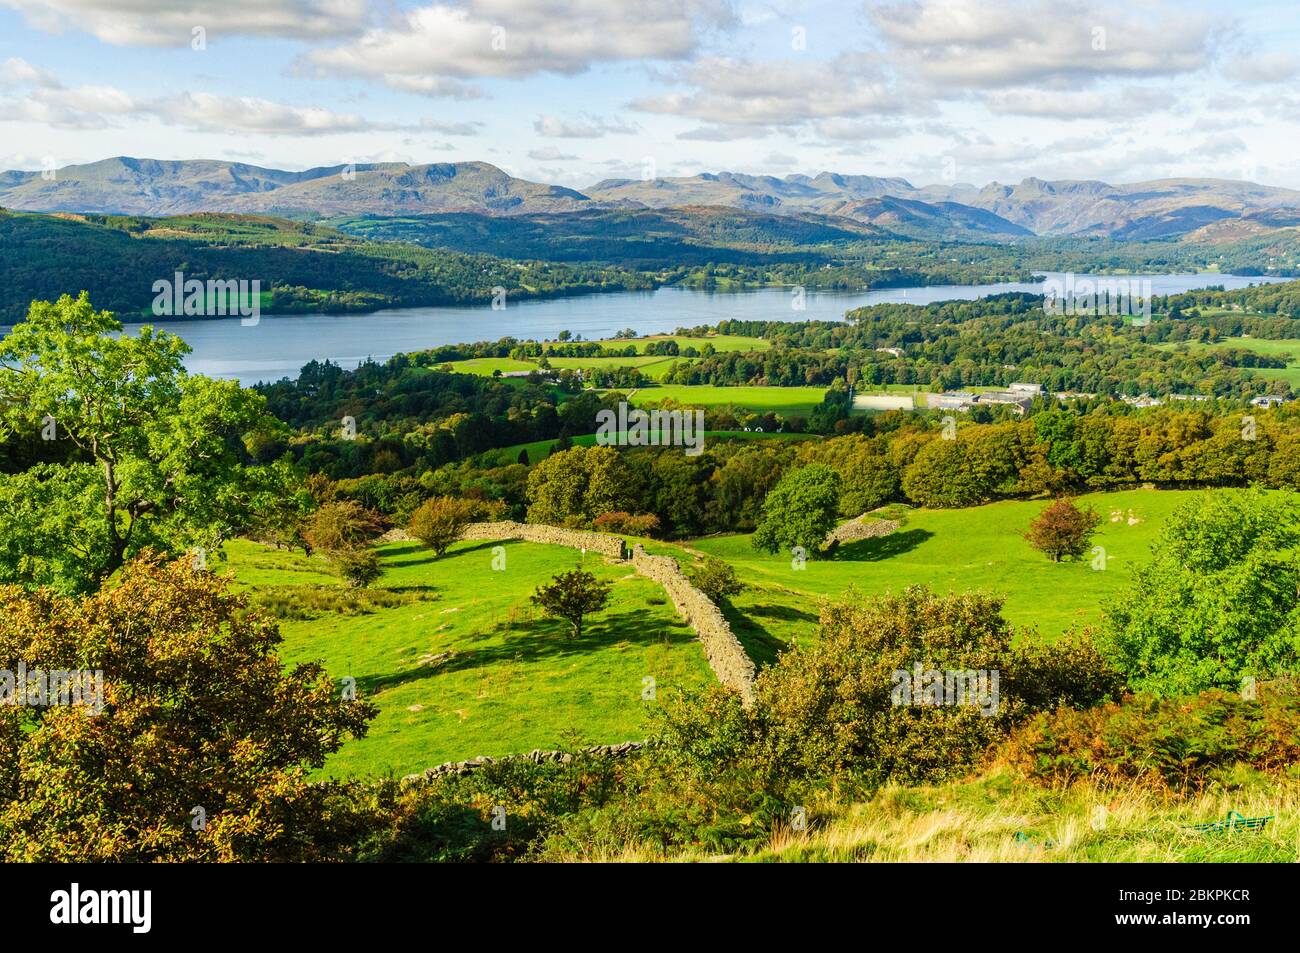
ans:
(358, 566)
(620, 521)
(439, 521)
(716, 579)
(1164, 744)
(341, 525)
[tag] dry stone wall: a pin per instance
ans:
(726, 655)
(603, 543)
(461, 768)
(864, 527)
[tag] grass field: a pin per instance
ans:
(471, 668)
(1288, 348)
(654, 366)
(976, 548)
(789, 401)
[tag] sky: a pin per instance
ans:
(576, 91)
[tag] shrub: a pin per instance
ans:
(1163, 744)
(716, 579)
(620, 521)
(359, 566)
(439, 521)
(341, 525)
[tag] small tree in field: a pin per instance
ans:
(438, 521)
(1062, 529)
(571, 596)
(716, 579)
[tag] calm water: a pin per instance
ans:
(278, 346)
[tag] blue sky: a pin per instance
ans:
(573, 91)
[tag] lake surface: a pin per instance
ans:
(279, 345)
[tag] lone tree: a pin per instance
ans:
(716, 579)
(571, 596)
(1062, 529)
(800, 511)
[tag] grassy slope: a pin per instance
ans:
(1288, 348)
(513, 680)
(976, 548)
(977, 821)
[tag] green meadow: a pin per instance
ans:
(467, 666)
(790, 401)
(948, 550)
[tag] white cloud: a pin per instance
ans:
(550, 154)
(435, 48)
(43, 99)
(724, 133)
(586, 127)
(972, 43)
(787, 92)
(1112, 103)
(1263, 68)
(150, 23)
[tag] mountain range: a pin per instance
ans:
(961, 212)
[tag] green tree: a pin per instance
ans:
(800, 511)
(716, 578)
(572, 596)
(575, 486)
(156, 457)
(1219, 601)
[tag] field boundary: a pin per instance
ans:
(726, 656)
(461, 768)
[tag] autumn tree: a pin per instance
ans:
(572, 596)
(439, 521)
(1062, 529)
(202, 744)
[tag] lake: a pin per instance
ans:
(279, 345)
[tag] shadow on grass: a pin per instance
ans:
(541, 641)
(760, 643)
(882, 547)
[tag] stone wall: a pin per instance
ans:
(462, 768)
(864, 527)
(726, 655)
(723, 650)
(603, 543)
